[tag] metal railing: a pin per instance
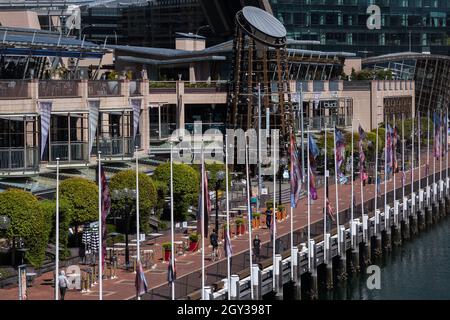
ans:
(69, 152)
(17, 159)
(58, 88)
(103, 88)
(13, 89)
(116, 147)
(201, 87)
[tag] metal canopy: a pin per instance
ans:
(264, 22)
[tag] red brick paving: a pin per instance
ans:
(123, 287)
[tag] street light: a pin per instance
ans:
(126, 195)
(220, 175)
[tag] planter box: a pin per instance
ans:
(166, 255)
(193, 246)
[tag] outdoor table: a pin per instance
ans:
(154, 236)
(179, 246)
(30, 278)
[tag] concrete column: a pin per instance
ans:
(294, 262)
(180, 105)
(435, 204)
(342, 256)
(235, 288)
(355, 250)
(257, 282)
(328, 261)
(405, 219)
(420, 216)
(397, 238)
(208, 293)
(313, 269)
(388, 231)
(278, 274)
(367, 240)
(378, 249)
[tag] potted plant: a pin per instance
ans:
(256, 220)
(167, 249)
(282, 212)
(239, 226)
(193, 241)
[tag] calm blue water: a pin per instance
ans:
(419, 269)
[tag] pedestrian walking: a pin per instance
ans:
(63, 284)
(268, 217)
(256, 247)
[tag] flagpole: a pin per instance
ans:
(440, 144)
(325, 187)
(258, 200)
(361, 181)
(446, 143)
(337, 192)
(302, 149)
(100, 228)
(293, 148)
(57, 233)
(435, 142)
(412, 157)
(353, 188)
(228, 219)
(203, 222)
(428, 147)
(403, 157)
(138, 246)
(274, 216)
(385, 169)
(172, 222)
(376, 175)
(419, 141)
(249, 218)
(309, 202)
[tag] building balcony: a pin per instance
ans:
(19, 161)
(58, 89)
(117, 148)
(104, 88)
(14, 89)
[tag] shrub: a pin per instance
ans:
(256, 215)
(27, 222)
(82, 196)
(193, 237)
(49, 209)
(186, 182)
(239, 221)
(167, 246)
(147, 194)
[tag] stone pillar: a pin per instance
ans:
(388, 230)
(378, 248)
(354, 225)
(328, 261)
(397, 238)
(235, 288)
(208, 293)
(367, 240)
(342, 255)
(405, 219)
(313, 269)
(257, 284)
(278, 274)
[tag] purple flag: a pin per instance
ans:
(362, 157)
(140, 281)
(340, 151)
(296, 175)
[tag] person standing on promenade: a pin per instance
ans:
(63, 284)
(256, 247)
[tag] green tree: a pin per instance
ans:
(147, 194)
(27, 222)
(65, 216)
(186, 182)
(82, 196)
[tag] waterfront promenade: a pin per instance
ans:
(190, 263)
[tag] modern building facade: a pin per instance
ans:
(406, 25)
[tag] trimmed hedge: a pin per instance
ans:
(28, 221)
(82, 196)
(186, 184)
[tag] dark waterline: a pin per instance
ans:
(417, 270)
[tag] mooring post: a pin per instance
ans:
(354, 225)
(397, 238)
(447, 194)
(428, 209)
(387, 224)
(208, 293)
(235, 287)
(257, 282)
(342, 255)
(278, 273)
(378, 247)
(434, 205)
(313, 269)
(421, 212)
(328, 260)
(294, 261)
(367, 240)
(441, 199)
(405, 219)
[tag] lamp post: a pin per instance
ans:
(128, 195)
(283, 163)
(220, 175)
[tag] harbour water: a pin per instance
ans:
(419, 269)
